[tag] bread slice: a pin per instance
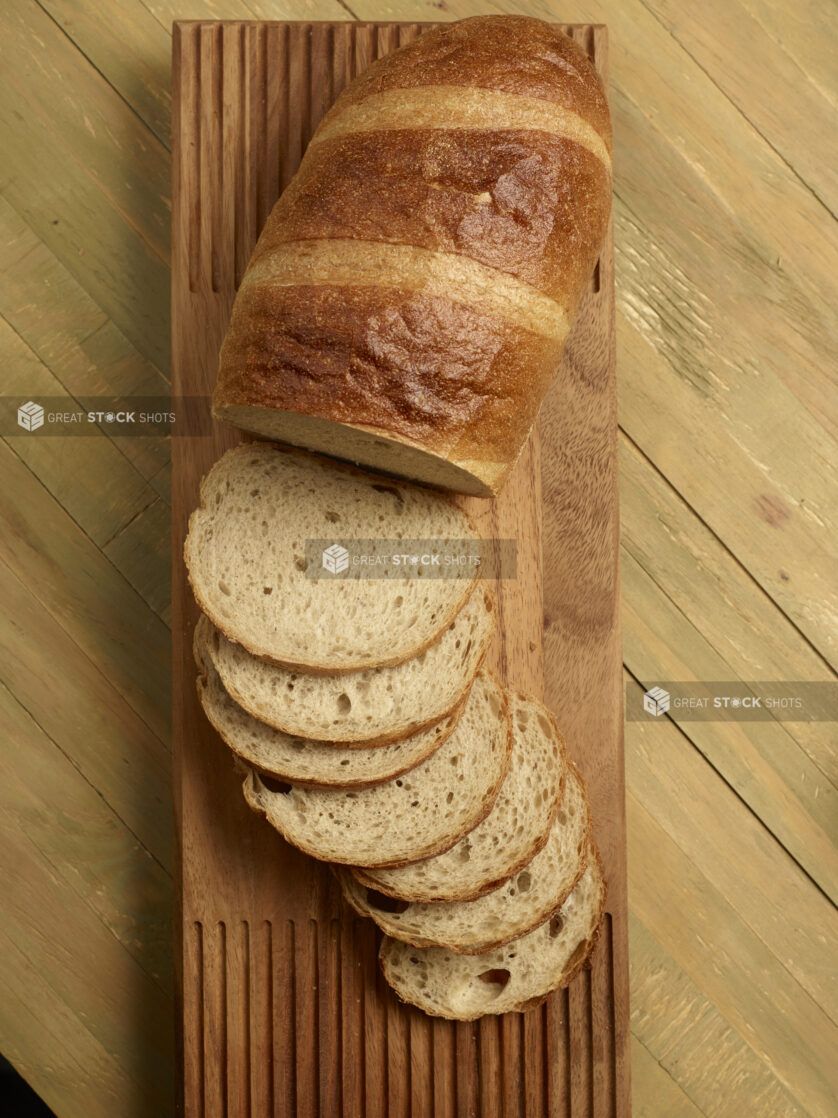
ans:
(373, 706)
(415, 815)
(506, 979)
(510, 837)
(303, 761)
(515, 908)
(247, 562)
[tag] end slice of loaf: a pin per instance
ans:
(373, 706)
(246, 557)
(300, 760)
(507, 839)
(529, 898)
(415, 815)
(507, 979)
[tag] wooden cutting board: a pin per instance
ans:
(284, 1012)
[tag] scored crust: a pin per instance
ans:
(426, 383)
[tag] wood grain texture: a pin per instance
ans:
(727, 308)
(247, 97)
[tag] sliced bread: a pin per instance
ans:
(416, 815)
(507, 839)
(249, 570)
(506, 979)
(373, 706)
(301, 760)
(515, 908)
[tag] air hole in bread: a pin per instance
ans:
(556, 925)
(524, 881)
(544, 723)
(344, 703)
(382, 903)
(464, 852)
(299, 563)
(497, 977)
(562, 818)
(522, 719)
(400, 784)
(224, 588)
(332, 517)
(449, 798)
(267, 590)
(398, 603)
(255, 493)
(345, 761)
(281, 787)
(391, 489)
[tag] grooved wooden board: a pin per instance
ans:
(282, 1006)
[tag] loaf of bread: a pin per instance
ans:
(408, 301)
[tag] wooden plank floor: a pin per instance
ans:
(726, 194)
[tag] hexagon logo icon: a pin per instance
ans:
(336, 559)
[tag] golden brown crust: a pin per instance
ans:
(477, 52)
(526, 203)
(429, 369)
